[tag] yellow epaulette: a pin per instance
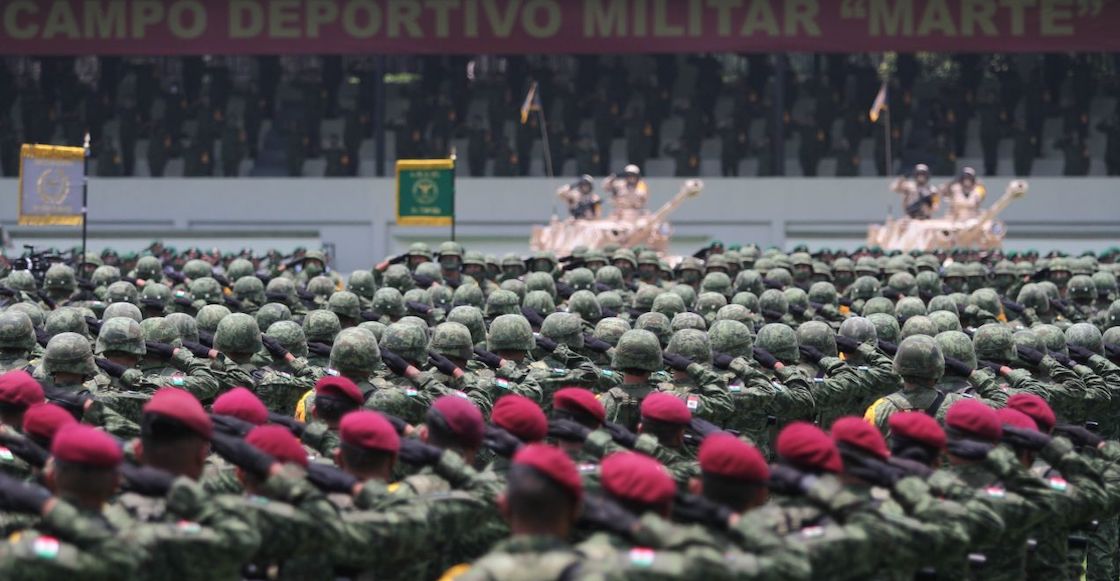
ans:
(869, 415)
(455, 571)
(301, 407)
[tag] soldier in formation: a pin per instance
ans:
(750, 415)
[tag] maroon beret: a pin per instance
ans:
(859, 433)
(636, 478)
(554, 464)
(370, 431)
(918, 427)
(1035, 407)
(974, 419)
(340, 387)
(20, 389)
(81, 444)
(42, 421)
(462, 417)
(728, 456)
(808, 447)
(180, 406)
(241, 404)
(521, 417)
(664, 407)
(1016, 418)
(579, 400)
(278, 442)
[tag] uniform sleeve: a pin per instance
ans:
(715, 400)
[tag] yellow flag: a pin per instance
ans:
(879, 104)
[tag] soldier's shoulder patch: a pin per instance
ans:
(458, 393)
(811, 532)
(501, 383)
(6, 455)
(1058, 483)
(606, 373)
(188, 527)
(177, 380)
(777, 384)
(693, 402)
(258, 500)
(587, 467)
(393, 488)
(330, 371)
(558, 371)
(735, 386)
(411, 391)
(642, 556)
(995, 491)
(46, 547)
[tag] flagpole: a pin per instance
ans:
(85, 194)
(887, 114)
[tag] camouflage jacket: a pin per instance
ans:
(706, 396)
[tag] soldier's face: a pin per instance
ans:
(473, 270)
(922, 178)
(844, 278)
(647, 271)
(624, 266)
(955, 282)
(450, 263)
(1059, 277)
(414, 261)
(802, 272)
(312, 267)
(542, 265)
(595, 265)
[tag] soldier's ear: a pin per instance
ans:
(695, 486)
(503, 506)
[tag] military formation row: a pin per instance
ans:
(597, 416)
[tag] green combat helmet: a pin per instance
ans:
(584, 304)
(321, 287)
(247, 288)
(389, 302)
(471, 318)
(733, 313)
(69, 353)
(909, 307)
(271, 313)
(321, 326)
(610, 330)
(886, 326)
(819, 336)
(945, 321)
(149, 269)
(865, 288)
(717, 282)
(468, 294)
(774, 300)
(859, 329)
(564, 329)
(540, 301)
(22, 280)
(645, 297)
(637, 349)
(60, 280)
(281, 290)
(514, 286)
(122, 292)
(1052, 337)
(1086, 336)
(708, 304)
(657, 324)
(430, 270)
(731, 338)
(355, 353)
(361, 283)
(160, 330)
(541, 281)
(375, 327)
(750, 281)
(105, 275)
(510, 333)
(1081, 288)
(580, 279)
(688, 320)
(238, 333)
(123, 310)
(823, 293)
(919, 325)
(452, 340)
(16, 331)
(206, 289)
(781, 341)
(993, 342)
(346, 305)
(957, 345)
(66, 320)
(610, 300)
(122, 335)
(187, 325)
(692, 344)
(502, 302)
(238, 268)
(919, 358)
(668, 304)
(210, 316)
(685, 292)
(943, 303)
(747, 300)
(196, 269)
(398, 276)
(33, 312)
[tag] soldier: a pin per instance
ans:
(965, 195)
(637, 356)
(629, 193)
(17, 342)
(919, 198)
(583, 202)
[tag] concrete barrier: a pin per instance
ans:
(356, 217)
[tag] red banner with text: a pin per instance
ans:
(167, 27)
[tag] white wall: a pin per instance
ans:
(496, 215)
